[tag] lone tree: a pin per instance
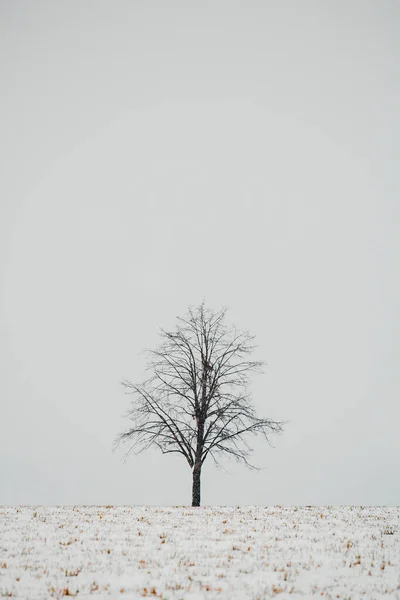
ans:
(196, 400)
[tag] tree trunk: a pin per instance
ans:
(196, 485)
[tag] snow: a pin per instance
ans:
(196, 553)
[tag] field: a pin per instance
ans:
(211, 552)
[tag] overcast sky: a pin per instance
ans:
(153, 154)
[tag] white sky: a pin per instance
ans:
(153, 154)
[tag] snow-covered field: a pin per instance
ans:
(211, 552)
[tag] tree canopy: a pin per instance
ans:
(196, 400)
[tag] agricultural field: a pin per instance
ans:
(194, 553)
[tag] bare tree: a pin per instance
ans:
(196, 400)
